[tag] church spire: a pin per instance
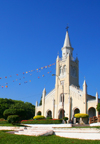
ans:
(67, 40)
(67, 48)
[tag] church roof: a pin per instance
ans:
(67, 40)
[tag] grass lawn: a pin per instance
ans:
(9, 124)
(6, 138)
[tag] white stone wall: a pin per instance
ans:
(49, 102)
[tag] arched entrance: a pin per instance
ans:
(49, 113)
(92, 112)
(75, 111)
(61, 114)
(39, 113)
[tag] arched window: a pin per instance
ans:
(49, 113)
(73, 71)
(64, 69)
(61, 114)
(76, 111)
(61, 98)
(39, 113)
(92, 112)
(60, 70)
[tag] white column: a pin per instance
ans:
(96, 103)
(53, 112)
(36, 108)
(43, 102)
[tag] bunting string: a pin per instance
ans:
(27, 72)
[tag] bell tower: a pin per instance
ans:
(66, 74)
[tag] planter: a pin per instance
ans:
(83, 120)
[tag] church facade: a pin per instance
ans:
(67, 99)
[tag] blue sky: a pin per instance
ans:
(32, 32)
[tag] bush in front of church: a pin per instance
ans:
(65, 118)
(81, 115)
(49, 118)
(98, 107)
(38, 117)
(43, 121)
(13, 119)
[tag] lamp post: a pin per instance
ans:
(62, 95)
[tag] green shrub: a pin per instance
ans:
(39, 113)
(3, 121)
(8, 112)
(98, 107)
(81, 115)
(65, 118)
(13, 119)
(38, 117)
(49, 118)
(45, 121)
(20, 112)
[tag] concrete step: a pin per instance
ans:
(36, 131)
(86, 136)
(77, 130)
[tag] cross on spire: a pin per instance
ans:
(67, 27)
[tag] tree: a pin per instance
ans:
(13, 119)
(24, 110)
(14, 107)
(98, 107)
(40, 101)
(5, 104)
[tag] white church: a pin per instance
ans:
(67, 99)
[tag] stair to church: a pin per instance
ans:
(80, 125)
(35, 131)
(76, 130)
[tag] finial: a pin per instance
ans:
(67, 27)
(58, 53)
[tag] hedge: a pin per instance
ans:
(49, 118)
(13, 119)
(8, 112)
(38, 117)
(49, 121)
(81, 115)
(3, 121)
(65, 118)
